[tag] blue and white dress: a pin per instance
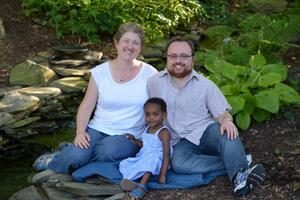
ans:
(149, 158)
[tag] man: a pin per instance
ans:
(204, 136)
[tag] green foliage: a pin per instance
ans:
(254, 90)
(88, 18)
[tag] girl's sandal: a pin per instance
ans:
(42, 161)
(139, 191)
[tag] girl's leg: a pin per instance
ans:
(71, 157)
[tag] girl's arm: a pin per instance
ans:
(134, 140)
(164, 136)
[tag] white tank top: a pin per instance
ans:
(119, 107)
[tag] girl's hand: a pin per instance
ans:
(129, 136)
(82, 140)
(162, 179)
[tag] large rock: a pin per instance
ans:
(70, 84)
(14, 102)
(29, 73)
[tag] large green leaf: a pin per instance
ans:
(229, 90)
(250, 103)
(275, 68)
(287, 94)
(267, 100)
(253, 76)
(231, 71)
(257, 61)
(237, 103)
(269, 79)
(242, 119)
(260, 115)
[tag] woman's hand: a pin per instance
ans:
(82, 140)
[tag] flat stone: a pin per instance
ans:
(5, 90)
(23, 122)
(85, 189)
(70, 84)
(28, 193)
(5, 118)
(55, 194)
(13, 102)
(40, 177)
(41, 92)
(70, 72)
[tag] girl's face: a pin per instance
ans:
(129, 46)
(154, 116)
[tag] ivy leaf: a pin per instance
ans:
(260, 115)
(237, 103)
(269, 79)
(267, 100)
(257, 61)
(243, 120)
(287, 94)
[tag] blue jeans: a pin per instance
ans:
(214, 153)
(102, 147)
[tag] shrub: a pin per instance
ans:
(89, 18)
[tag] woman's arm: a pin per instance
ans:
(164, 136)
(84, 113)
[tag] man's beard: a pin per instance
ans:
(182, 74)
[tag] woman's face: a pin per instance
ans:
(129, 46)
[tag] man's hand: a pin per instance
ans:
(228, 126)
(82, 140)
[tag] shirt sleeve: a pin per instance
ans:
(216, 101)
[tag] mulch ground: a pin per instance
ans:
(275, 143)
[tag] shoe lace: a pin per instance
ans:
(241, 177)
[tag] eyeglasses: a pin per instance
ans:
(182, 57)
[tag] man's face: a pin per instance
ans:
(179, 59)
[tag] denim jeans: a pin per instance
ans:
(102, 147)
(214, 153)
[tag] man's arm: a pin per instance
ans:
(227, 125)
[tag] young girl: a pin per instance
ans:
(154, 156)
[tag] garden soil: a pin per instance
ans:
(275, 143)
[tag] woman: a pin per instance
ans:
(118, 90)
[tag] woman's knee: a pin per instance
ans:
(114, 148)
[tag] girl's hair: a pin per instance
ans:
(130, 27)
(158, 101)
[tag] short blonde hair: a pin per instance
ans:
(130, 27)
